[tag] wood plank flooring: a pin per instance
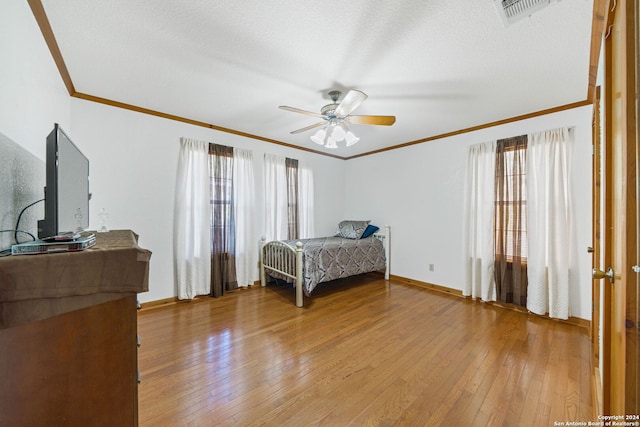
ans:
(362, 352)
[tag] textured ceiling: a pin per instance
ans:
(438, 65)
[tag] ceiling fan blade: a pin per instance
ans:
(315, 125)
(297, 110)
(371, 120)
(350, 102)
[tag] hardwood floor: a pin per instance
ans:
(362, 352)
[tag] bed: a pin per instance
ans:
(357, 248)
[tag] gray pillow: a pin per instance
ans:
(352, 229)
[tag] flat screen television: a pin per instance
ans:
(66, 194)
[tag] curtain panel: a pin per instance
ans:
(550, 221)
(275, 197)
(191, 232)
(306, 226)
(244, 214)
(478, 228)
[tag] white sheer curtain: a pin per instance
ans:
(305, 202)
(191, 233)
(478, 216)
(244, 211)
(275, 197)
(549, 225)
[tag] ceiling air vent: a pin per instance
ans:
(511, 11)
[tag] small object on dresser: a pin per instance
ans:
(104, 216)
(54, 246)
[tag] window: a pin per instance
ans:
(221, 190)
(214, 214)
(292, 199)
(511, 200)
(519, 222)
(510, 220)
(223, 269)
(288, 198)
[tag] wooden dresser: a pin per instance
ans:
(68, 335)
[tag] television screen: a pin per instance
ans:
(66, 206)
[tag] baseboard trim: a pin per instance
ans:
(426, 285)
(576, 321)
(165, 302)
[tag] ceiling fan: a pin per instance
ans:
(336, 116)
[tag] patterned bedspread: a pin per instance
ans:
(330, 258)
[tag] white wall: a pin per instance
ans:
(133, 162)
(32, 94)
(32, 98)
(418, 191)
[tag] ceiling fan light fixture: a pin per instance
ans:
(333, 133)
(331, 143)
(319, 136)
(350, 139)
(338, 133)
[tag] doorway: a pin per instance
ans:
(616, 288)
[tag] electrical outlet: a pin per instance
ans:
(431, 268)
